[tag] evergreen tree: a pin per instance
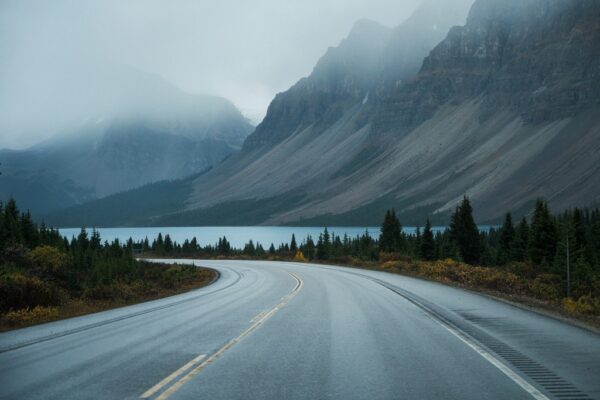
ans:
(427, 243)
(28, 230)
(520, 247)
(391, 230)
(507, 238)
(465, 233)
(11, 223)
(249, 248)
(293, 244)
(223, 246)
(322, 253)
(544, 236)
(595, 243)
(416, 247)
(168, 244)
(309, 252)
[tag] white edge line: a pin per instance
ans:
(536, 394)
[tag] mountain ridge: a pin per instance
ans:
(502, 108)
(171, 135)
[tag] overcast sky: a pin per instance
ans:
(244, 50)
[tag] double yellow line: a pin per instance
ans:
(196, 369)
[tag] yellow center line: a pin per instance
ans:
(148, 393)
(259, 320)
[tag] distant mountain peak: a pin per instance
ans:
(365, 27)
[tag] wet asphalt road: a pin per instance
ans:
(269, 330)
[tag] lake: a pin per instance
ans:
(238, 236)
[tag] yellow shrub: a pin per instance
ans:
(49, 258)
(31, 315)
(584, 305)
(299, 256)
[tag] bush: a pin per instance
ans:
(299, 256)
(585, 305)
(115, 291)
(49, 259)
(27, 316)
(546, 287)
(21, 291)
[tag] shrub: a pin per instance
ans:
(115, 291)
(49, 259)
(546, 287)
(26, 316)
(299, 256)
(21, 291)
(585, 305)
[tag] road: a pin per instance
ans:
(274, 330)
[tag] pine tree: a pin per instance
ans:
(544, 236)
(249, 248)
(595, 243)
(168, 244)
(293, 244)
(427, 243)
(29, 233)
(520, 246)
(391, 233)
(310, 248)
(507, 238)
(11, 223)
(321, 252)
(416, 248)
(465, 233)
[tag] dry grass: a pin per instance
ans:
(118, 295)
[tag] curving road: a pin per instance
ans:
(271, 330)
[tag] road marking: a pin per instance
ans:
(472, 343)
(510, 373)
(259, 320)
(148, 393)
(536, 394)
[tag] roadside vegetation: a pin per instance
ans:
(44, 276)
(549, 261)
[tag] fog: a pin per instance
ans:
(57, 58)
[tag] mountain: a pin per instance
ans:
(503, 107)
(169, 135)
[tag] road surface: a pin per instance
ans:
(274, 330)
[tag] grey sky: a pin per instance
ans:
(246, 51)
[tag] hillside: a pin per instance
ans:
(169, 135)
(503, 108)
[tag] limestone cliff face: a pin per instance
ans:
(340, 79)
(504, 107)
(540, 58)
(346, 77)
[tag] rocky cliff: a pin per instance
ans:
(538, 58)
(504, 108)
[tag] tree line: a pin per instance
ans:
(534, 246)
(41, 268)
